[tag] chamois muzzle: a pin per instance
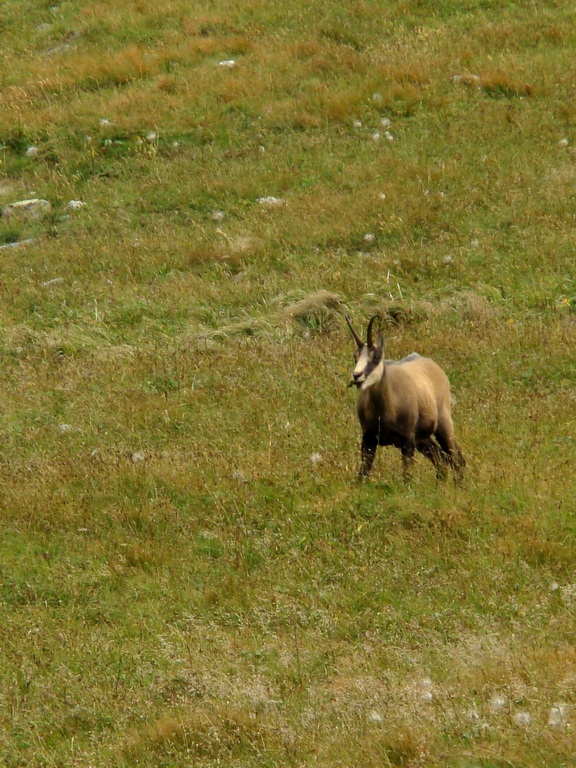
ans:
(356, 381)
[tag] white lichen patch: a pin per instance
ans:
(497, 703)
(522, 718)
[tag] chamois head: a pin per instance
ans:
(369, 357)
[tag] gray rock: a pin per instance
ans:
(17, 244)
(27, 209)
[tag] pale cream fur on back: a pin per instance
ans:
(418, 389)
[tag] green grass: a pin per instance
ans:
(189, 573)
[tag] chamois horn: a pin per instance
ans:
(369, 331)
(357, 338)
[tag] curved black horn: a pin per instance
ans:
(369, 331)
(357, 338)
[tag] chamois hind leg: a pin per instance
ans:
(458, 463)
(369, 445)
(433, 453)
(445, 436)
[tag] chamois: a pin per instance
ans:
(405, 403)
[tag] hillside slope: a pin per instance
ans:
(190, 574)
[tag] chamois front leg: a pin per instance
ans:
(369, 445)
(408, 448)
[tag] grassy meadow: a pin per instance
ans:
(189, 573)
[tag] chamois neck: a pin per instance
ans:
(381, 396)
(378, 383)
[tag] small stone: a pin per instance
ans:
(271, 201)
(151, 137)
(385, 122)
(138, 457)
(217, 215)
(563, 143)
(554, 587)
(104, 122)
(388, 136)
(32, 152)
(374, 717)
(27, 209)
(67, 428)
(558, 717)
(74, 205)
(426, 692)
(357, 123)
(369, 237)
(426, 695)
(447, 258)
(316, 458)
(376, 136)
(53, 281)
(381, 196)
(227, 63)
(466, 79)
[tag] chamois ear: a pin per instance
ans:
(357, 338)
(380, 341)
